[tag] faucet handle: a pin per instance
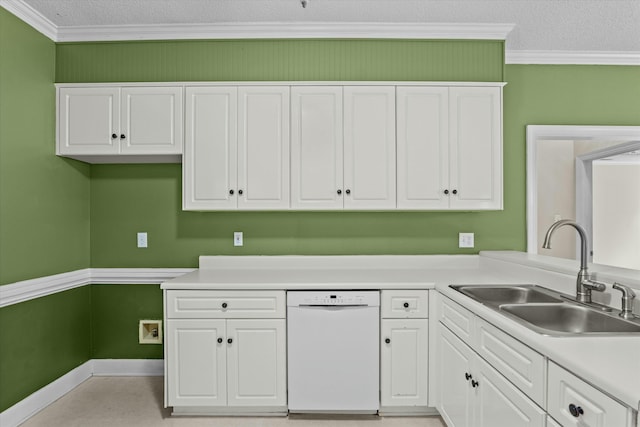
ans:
(594, 285)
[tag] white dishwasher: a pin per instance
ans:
(333, 351)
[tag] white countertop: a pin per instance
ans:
(611, 364)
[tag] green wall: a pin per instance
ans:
(44, 220)
(44, 199)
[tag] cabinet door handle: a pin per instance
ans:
(446, 191)
(229, 340)
(576, 411)
(387, 340)
(339, 191)
(240, 192)
(231, 192)
(224, 305)
(219, 340)
(455, 191)
(348, 191)
(405, 305)
(475, 383)
(122, 136)
(114, 136)
(467, 376)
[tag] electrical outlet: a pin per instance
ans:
(465, 240)
(142, 240)
(237, 238)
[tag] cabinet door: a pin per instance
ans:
(196, 363)
(88, 120)
(263, 147)
(151, 120)
(209, 164)
(404, 362)
(455, 402)
(573, 402)
(256, 362)
(475, 123)
(316, 148)
(498, 403)
(423, 147)
(369, 147)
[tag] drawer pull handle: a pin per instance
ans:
(387, 340)
(576, 411)
(229, 340)
(224, 305)
(475, 383)
(467, 376)
(405, 305)
(219, 340)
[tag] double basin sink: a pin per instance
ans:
(548, 312)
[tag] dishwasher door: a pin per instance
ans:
(333, 354)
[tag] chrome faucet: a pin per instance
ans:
(584, 284)
(627, 300)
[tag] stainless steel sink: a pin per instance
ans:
(549, 312)
(568, 319)
(496, 295)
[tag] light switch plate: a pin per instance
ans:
(237, 238)
(142, 240)
(465, 240)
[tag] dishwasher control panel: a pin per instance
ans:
(333, 298)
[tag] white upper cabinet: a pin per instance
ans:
(343, 147)
(209, 165)
(475, 124)
(316, 148)
(369, 147)
(263, 147)
(237, 148)
(449, 148)
(88, 120)
(423, 147)
(151, 120)
(102, 124)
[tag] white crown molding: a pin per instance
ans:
(26, 290)
(32, 17)
(40, 399)
(557, 57)
(287, 30)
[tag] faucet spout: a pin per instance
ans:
(583, 238)
(584, 284)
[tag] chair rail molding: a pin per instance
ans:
(26, 290)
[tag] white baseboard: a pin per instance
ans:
(37, 401)
(128, 367)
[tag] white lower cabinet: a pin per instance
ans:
(404, 362)
(472, 393)
(487, 378)
(404, 350)
(225, 360)
(573, 402)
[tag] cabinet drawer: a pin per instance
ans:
(592, 407)
(190, 304)
(457, 318)
(521, 365)
(404, 304)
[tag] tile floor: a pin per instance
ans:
(137, 402)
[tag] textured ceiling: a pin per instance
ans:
(568, 25)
